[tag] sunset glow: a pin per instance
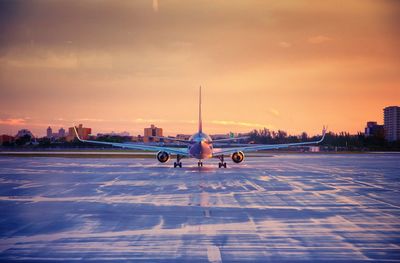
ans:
(123, 65)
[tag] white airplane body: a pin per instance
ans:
(200, 146)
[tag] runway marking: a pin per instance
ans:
(213, 254)
(264, 178)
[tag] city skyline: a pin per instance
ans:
(39, 130)
(122, 66)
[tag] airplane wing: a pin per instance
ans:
(230, 139)
(259, 147)
(137, 146)
(170, 139)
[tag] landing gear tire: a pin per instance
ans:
(221, 163)
(200, 164)
(178, 161)
(177, 164)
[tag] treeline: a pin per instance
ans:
(333, 141)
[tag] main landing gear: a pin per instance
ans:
(200, 164)
(178, 161)
(221, 163)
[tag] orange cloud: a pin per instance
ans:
(238, 123)
(274, 112)
(12, 122)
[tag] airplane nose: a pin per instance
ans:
(201, 150)
(201, 147)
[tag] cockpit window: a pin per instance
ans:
(197, 137)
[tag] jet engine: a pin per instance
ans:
(238, 157)
(163, 157)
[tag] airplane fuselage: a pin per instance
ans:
(200, 146)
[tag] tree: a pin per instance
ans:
(304, 136)
(23, 140)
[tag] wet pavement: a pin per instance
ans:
(293, 208)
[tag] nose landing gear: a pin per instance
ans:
(200, 164)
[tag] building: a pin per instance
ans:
(24, 132)
(6, 139)
(120, 134)
(61, 133)
(314, 149)
(152, 131)
(392, 123)
(374, 129)
(184, 137)
(83, 133)
(220, 136)
(138, 138)
(49, 133)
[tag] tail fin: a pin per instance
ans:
(200, 121)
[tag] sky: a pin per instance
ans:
(123, 65)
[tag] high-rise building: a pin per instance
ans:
(152, 131)
(392, 123)
(49, 133)
(374, 129)
(82, 132)
(61, 133)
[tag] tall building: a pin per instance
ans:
(49, 133)
(392, 123)
(374, 129)
(61, 133)
(152, 131)
(82, 132)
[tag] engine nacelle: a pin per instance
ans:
(238, 157)
(163, 157)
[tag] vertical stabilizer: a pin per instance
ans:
(200, 121)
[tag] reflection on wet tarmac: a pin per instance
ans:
(284, 208)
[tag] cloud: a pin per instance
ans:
(274, 112)
(13, 121)
(140, 120)
(91, 120)
(46, 60)
(318, 39)
(244, 124)
(50, 60)
(111, 53)
(285, 44)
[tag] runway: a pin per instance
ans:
(285, 208)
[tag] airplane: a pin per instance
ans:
(200, 146)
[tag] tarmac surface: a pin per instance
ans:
(285, 208)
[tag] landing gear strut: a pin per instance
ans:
(200, 164)
(178, 161)
(221, 163)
